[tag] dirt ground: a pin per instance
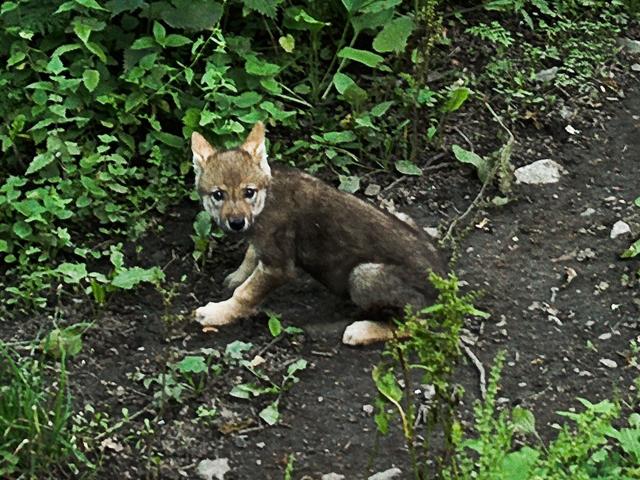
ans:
(561, 301)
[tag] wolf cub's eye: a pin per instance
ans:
(249, 192)
(217, 195)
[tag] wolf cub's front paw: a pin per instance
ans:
(217, 314)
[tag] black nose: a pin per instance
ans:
(236, 224)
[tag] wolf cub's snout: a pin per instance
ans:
(295, 221)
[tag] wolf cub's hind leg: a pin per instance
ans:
(378, 285)
(245, 269)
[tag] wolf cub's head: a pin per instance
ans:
(232, 183)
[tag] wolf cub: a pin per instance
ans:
(295, 221)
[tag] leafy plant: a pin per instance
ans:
(189, 376)
(271, 413)
(427, 342)
(36, 434)
(593, 448)
(65, 342)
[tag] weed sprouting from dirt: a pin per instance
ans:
(36, 433)
(427, 344)
(592, 448)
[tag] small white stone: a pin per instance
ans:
(368, 409)
(332, 476)
(387, 474)
(608, 363)
(635, 67)
(539, 172)
(620, 228)
(213, 469)
(605, 336)
(588, 212)
(570, 130)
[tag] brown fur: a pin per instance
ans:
(349, 245)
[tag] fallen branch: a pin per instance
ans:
(479, 367)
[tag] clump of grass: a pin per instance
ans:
(35, 417)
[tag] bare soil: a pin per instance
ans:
(555, 326)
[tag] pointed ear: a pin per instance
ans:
(254, 145)
(202, 150)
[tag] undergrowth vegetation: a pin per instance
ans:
(415, 389)
(102, 95)
(99, 99)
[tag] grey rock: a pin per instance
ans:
(632, 46)
(539, 172)
(387, 474)
(332, 476)
(213, 469)
(620, 228)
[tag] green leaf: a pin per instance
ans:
(248, 390)
(288, 43)
(363, 56)
(339, 137)
(267, 8)
(39, 162)
(275, 326)
(372, 21)
(349, 184)
(67, 341)
(142, 43)
(73, 272)
(386, 383)
(159, 32)
(632, 251)
(22, 229)
(523, 420)
(407, 167)
(297, 366)
(91, 4)
(192, 364)
(236, 349)
(637, 202)
(255, 66)
(132, 277)
(342, 82)
(202, 224)
(380, 109)
(91, 78)
(175, 40)
(297, 18)
(291, 330)
(83, 31)
(465, 156)
(270, 414)
(4, 246)
(247, 99)
(393, 37)
(456, 98)
(55, 65)
(169, 139)
(517, 465)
